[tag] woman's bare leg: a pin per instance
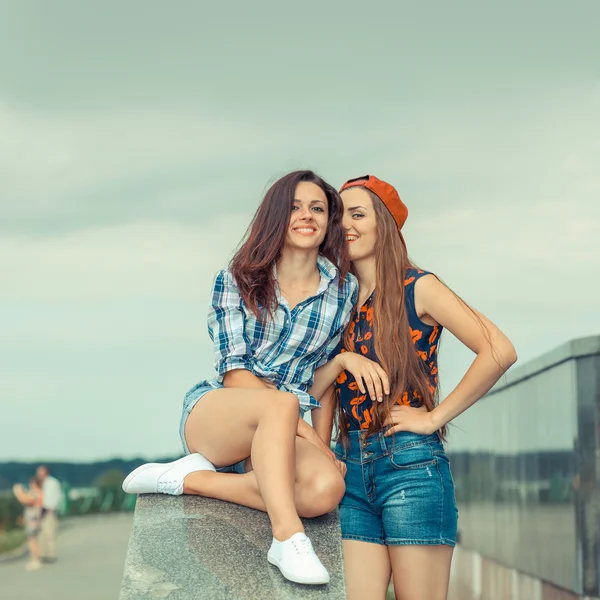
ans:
(368, 570)
(229, 424)
(34, 549)
(421, 572)
(319, 485)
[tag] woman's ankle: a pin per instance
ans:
(285, 532)
(199, 483)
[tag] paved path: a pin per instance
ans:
(91, 553)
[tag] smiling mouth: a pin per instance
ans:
(351, 238)
(305, 230)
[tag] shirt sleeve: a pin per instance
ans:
(226, 327)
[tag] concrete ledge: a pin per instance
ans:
(185, 548)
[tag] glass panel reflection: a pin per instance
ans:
(516, 459)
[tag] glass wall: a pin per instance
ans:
(526, 465)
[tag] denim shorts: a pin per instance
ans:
(190, 400)
(399, 490)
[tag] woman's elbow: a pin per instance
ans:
(507, 355)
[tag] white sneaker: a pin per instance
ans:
(33, 565)
(165, 478)
(297, 561)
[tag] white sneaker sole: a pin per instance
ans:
(299, 578)
(143, 468)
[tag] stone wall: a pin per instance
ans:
(190, 548)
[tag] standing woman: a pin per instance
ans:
(31, 499)
(276, 315)
(399, 515)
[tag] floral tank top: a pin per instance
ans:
(358, 407)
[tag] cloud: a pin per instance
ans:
(133, 155)
(111, 287)
(61, 171)
(93, 167)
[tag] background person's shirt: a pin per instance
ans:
(52, 493)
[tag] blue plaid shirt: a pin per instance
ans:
(287, 349)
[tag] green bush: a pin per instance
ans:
(9, 540)
(10, 512)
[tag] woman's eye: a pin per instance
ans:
(318, 208)
(357, 215)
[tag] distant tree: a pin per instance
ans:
(113, 478)
(75, 474)
(10, 511)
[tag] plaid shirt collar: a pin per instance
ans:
(327, 270)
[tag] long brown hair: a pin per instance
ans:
(393, 344)
(252, 265)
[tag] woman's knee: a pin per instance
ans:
(321, 493)
(285, 404)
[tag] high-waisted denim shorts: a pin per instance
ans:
(399, 490)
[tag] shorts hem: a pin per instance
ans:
(362, 538)
(400, 541)
(429, 542)
(191, 399)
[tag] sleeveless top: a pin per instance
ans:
(358, 408)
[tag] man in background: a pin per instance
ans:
(52, 496)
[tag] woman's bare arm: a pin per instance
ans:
(322, 418)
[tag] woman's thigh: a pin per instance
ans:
(221, 425)
(421, 572)
(368, 570)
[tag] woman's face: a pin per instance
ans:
(308, 221)
(360, 223)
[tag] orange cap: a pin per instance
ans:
(385, 192)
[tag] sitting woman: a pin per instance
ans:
(276, 315)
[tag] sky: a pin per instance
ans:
(137, 140)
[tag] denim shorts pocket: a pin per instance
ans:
(439, 451)
(414, 457)
(444, 465)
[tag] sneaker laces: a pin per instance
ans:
(303, 546)
(170, 486)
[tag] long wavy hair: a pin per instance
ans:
(393, 344)
(252, 265)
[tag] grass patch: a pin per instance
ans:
(9, 540)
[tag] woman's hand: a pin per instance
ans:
(368, 375)
(408, 418)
